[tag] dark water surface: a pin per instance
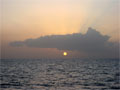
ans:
(60, 74)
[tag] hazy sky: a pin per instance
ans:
(24, 19)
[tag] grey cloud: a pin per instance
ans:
(92, 43)
(17, 43)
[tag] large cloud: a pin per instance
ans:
(92, 42)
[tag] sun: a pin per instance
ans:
(65, 53)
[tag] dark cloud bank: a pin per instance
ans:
(92, 43)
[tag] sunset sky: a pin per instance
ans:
(31, 19)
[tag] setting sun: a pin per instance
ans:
(65, 53)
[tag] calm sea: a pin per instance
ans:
(59, 74)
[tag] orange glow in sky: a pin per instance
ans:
(22, 19)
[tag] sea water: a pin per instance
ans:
(59, 74)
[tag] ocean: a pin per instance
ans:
(59, 74)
